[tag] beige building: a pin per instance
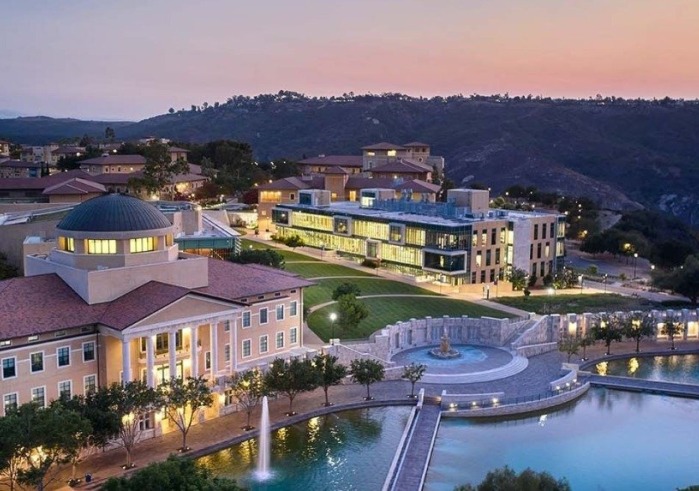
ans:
(113, 164)
(116, 300)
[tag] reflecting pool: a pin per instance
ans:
(609, 440)
(674, 368)
(350, 450)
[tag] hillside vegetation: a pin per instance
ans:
(622, 154)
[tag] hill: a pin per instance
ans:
(623, 154)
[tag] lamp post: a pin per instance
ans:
(605, 282)
(333, 317)
(635, 257)
(581, 283)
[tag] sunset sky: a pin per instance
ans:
(134, 59)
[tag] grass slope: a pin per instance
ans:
(322, 292)
(577, 304)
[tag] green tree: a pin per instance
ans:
(329, 372)
(366, 372)
(518, 278)
(109, 133)
(570, 345)
(175, 473)
(10, 449)
(266, 257)
(248, 388)
(346, 289)
(130, 402)
(182, 400)
(505, 479)
(683, 280)
(294, 241)
(586, 340)
(413, 373)
(608, 328)
(291, 378)
(639, 326)
(45, 439)
(672, 327)
(350, 312)
(159, 169)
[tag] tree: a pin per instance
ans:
(159, 169)
(672, 327)
(294, 241)
(291, 378)
(350, 312)
(569, 345)
(505, 479)
(413, 373)
(639, 326)
(109, 133)
(345, 289)
(10, 449)
(7, 270)
(175, 473)
(366, 372)
(131, 402)
(44, 438)
(518, 278)
(249, 389)
(266, 257)
(585, 341)
(607, 328)
(329, 372)
(182, 401)
(683, 280)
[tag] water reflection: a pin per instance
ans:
(345, 451)
(673, 368)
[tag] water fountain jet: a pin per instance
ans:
(263, 473)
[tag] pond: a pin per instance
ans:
(674, 368)
(349, 450)
(609, 440)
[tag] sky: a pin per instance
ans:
(133, 59)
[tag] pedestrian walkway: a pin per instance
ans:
(641, 385)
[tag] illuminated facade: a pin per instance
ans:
(116, 300)
(460, 242)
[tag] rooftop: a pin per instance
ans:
(114, 213)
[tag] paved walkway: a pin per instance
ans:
(641, 385)
(417, 451)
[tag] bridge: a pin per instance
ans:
(647, 386)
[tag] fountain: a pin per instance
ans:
(263, 473)
(444, 351)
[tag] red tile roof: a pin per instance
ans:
(383, 146)
(334, 160)
(39, 304)
(335, 170)
(418, 186)
(41, 183)
(415, 144)
(398, 167)
(291, 183)
(115, 160)
(75, 186)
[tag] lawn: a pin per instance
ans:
(384, 311)
(322, 292)
(576, 304)
(319, 269)
(288, 255)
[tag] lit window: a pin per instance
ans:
(142, 244)
(279, 340)
(10, 402)
(38, 396)
(101, 246)
(66, 244)
(391, 153)
(37, 362)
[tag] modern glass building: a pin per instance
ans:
(459, 242)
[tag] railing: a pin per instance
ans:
(487, 403)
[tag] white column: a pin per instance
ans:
(213, 330)
(193, 369)
(231, 340)
(172, 352)
(150, 355)
(126, 360)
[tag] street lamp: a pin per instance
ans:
(635, 257)
(605, 282)
(333, 318)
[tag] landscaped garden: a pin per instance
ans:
(389, 310)
(576, 303)
(322, 292)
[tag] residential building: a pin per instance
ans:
(320, 164)
(116, 300)
(17, 169)
(460, 242)
(113, 164)
(4, 148)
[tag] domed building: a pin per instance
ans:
(116, 300)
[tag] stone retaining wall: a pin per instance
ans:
(579, 324)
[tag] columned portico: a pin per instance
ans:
(213, 329)
(172, 353)
(193, 361)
